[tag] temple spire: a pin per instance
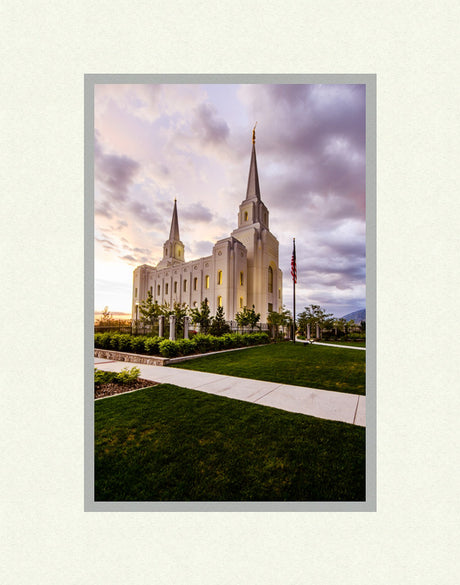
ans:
(174, 231)
(173, 248)
(253, 190)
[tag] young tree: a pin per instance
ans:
(219, 325)
(180, 310)
(340, 326)
(313, 315)
(247, 317)
(201, 316)
(149, 310)
(275, 319)
(106, 317)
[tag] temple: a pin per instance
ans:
(242, 270)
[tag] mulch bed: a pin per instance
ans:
(111, 389)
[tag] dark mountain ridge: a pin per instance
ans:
(357, 316)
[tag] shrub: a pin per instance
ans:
(101, 377)
(124, 377)
(152, 345)
(113, 341)
(259, 338)
(186, 346)
(137, 343)
(128, 376)
(102, 340)
(227, 341)
(203, 342)
(169, 348)
(123, 342)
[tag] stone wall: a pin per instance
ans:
(121, 356)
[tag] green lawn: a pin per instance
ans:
(352, 343)
(300, 364)
(173, 444)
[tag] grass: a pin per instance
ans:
(173, 444)
(298, 364)
(352, 343)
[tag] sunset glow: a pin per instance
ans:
(155, 143)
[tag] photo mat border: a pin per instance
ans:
(369, 505)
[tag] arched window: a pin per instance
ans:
(241, 278)
(219, 277)
(207, 281)
(270, 279)
(241, 302)
(246, 216)
(185, 285)
(219, 301)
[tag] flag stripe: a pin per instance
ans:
(294, 265)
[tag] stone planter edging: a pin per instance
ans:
(122, 356)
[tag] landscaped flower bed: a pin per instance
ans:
(110, 383)
(201, 343)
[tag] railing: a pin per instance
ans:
(139, 328)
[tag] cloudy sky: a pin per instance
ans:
(154, 143)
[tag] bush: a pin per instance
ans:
(152, 345)
(186, 346)
(124, 377)
(259, 338)
(203, 342)
(227, 341)
(123, 342)
(137, 343)
(101, 377)
(102, 340)
(169, 348)
(128, 376)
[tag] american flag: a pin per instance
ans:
(294, 265)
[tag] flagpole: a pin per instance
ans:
(294, 278)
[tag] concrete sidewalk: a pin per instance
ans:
(330, 344)
(349, 408)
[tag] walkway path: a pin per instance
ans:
(326, 404)
(331, 344)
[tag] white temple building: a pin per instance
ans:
(242, 270)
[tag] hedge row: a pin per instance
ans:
(200, 343)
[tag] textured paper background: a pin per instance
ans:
(46, 536)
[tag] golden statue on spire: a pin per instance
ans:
(254, 134)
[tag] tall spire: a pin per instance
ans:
(174, 231)
(253, 190)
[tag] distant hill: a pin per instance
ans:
(357, 316)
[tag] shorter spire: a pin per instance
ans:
(254, 134)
